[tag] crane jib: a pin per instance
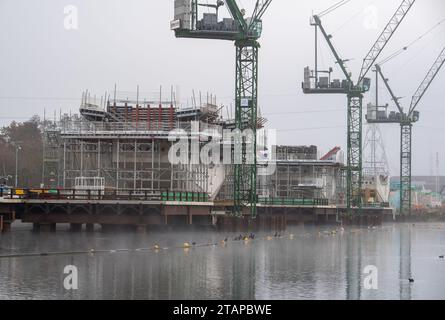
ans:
(432, 73)
(384, 37)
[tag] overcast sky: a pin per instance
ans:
(129, 42)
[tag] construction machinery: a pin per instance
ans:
(313, 84)
(406, 118)
(245, 32)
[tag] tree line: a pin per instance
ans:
(22, 142)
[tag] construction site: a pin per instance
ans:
(125, 145)
(111, 163)
(113, 158)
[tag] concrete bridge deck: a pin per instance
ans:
(45, 210)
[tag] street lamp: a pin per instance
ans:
(17, 149)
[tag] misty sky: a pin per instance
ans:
(129, 42)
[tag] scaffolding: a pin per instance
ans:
(123, 144)
(302, 179)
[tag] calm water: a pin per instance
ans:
(314, 264)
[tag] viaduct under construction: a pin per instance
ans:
(111, 164)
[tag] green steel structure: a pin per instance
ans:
(354, 93)
(245, 32)
(245, 171)
(406, 132)
(354, 146)
(406, 121)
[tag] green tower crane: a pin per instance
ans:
(406, 119)
(245, 32)
(313, 84)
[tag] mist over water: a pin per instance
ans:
(305, 263)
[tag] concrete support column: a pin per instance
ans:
(75, 227)
(90, 227)
(35, 227)
(47, 227)
(105, 227)
(5, 226)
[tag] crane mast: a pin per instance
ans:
(245, 33)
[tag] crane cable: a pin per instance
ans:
(333, 7)
(400, 51)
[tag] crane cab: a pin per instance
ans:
(380, 114)
(189, 22)
(416, 116)
(365, 84)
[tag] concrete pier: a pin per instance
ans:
(5, 226)
(5, 222)
(47, 227)
(36, 227)
(43, 227)
(75, 227)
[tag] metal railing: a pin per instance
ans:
(139, 195)
(91, 127)
(294, 202)
(377, 205)
(98, 195)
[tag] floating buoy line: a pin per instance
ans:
(246, 239)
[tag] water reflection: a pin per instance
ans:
(353, 267)
(405, 263)
(312, 264)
